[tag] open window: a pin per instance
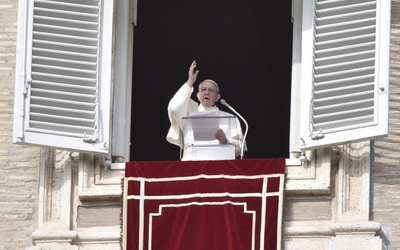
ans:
(71, 53)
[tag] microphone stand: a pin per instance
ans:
(247, 126)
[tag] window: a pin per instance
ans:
(65, 96)
(234, 47)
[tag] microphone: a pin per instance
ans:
(247, 126)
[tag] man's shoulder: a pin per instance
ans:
(223, 113)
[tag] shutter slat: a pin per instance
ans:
(64, 63)
(342, 57)
(345, 18)
(76, 48)
(357, 62)
(45, 69)
(342, 116)
(339, 91)
(348, 98)
(330, 4)
(71, 96)
(60, 38)
(63, 120)
(357, 80)
(69, 132)
(67, 55)
(344, 75)
(330, 8)
(73, 88)
(65, 30)
(344, 34)
(343, 124)
(66, 79)
(345, 50)
(63, 14)
(90, 7)
(351, 24)
(78, 26)
(60, 129)
(342, 107)
(63, 111)
(63, 103)
(57, 119)
(343, 43)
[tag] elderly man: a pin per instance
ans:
(181, 105)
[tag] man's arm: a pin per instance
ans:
(235, 140)
(221, 137)
(181, 104)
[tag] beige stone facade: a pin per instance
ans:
(346, 197)
(19, 167)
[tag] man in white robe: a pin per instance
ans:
(181, 105)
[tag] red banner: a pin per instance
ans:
(204, 204)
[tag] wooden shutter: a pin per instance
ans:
(63, 98)
(349, 74)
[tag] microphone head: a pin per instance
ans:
(223, 101)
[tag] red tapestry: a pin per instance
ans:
(204, 204)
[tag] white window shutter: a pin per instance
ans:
(345, 79)
(63, 74)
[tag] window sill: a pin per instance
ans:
(289, 163)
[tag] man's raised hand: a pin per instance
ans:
(192, 75)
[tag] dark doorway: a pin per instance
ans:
(244, 45)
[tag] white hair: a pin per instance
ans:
(209, 80)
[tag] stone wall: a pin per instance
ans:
(385, 179)
(19, 171)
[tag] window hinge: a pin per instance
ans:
(89, 138)
(26, 86)
(317, 135)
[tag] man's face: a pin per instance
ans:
(208, 94)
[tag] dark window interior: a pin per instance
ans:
(244, 45)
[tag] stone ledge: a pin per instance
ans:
(43, 235)
(307, 228)
(99, 234)
(357, 227)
